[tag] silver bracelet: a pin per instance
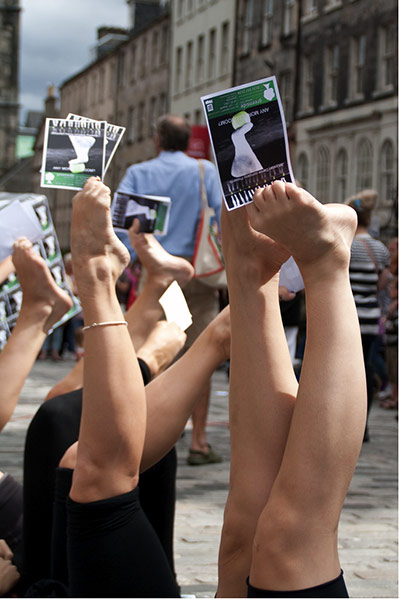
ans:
(104, 324)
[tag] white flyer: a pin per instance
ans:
(249, 139)
(175, 306)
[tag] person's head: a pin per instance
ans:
(173, 133)
(363, 203)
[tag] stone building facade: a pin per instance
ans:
(9, 87)
(346, 123)
(127, 86)
(267, 43)
(335, 63)
(336, 67)
(202, 53)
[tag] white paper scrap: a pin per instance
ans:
(17, 220)
(175, 306)
(290, 276)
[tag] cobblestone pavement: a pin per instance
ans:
(368, 533)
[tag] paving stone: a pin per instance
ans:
(368, 529)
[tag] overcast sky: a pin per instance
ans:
(55, 41)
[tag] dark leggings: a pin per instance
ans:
(368, 342)
(52, 430)
(11, 515)
(335, 588)
(109, 547)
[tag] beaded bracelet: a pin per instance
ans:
(104, 324)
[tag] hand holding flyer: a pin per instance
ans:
(249, 139)
(152, 212)
(29, 216)
(17, 220)
(113, 135)
(75, 149)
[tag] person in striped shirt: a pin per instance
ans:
(368, 265)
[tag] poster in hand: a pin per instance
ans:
(46, 245)
(152, 212)
(73, 151)
(113, 136)
(249, 139)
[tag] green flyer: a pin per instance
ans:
(249, 139)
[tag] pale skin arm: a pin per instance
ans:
(157, 344)
(6, 268)
(295, 542)
(43, 304)
(114, 417)
(114, 408)
(9, 575)
(171, 396)
(260, 406)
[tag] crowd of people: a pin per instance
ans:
(98, 500)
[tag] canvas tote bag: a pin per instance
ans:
(208, 258)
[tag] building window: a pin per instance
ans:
(152, 121)
(197, 116)
(387, 173)
(101, 85)
(286, 93)
(267, 22)
(164, 45)
(178, 72)
(200, 75)
(248, 25)
(288, 16)
(224, 49)
(303, 171)
(358, 64)
(386, 63)
(111, 79)
(130, 125)
(330, 4)
(143, 57)
(180, 6)
(307, 84)
(190, 6)
(155, 50)
(163, 104)
(310, 8)
(212, 55)
(140, 122)
(83, 98)
(364, 165)
(189, 65)
(323, 175)
(121, 70)
(94, 88)
(133, 63)
(342, 176)
(331, 83)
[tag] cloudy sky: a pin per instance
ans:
(55, 41)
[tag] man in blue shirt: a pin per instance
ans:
(172, 173)
(176, 175)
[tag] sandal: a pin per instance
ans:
(197, 457)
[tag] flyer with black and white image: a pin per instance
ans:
(113, 136)
(249, 139)
(45, 244)
(73, 151)
(152, 212)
